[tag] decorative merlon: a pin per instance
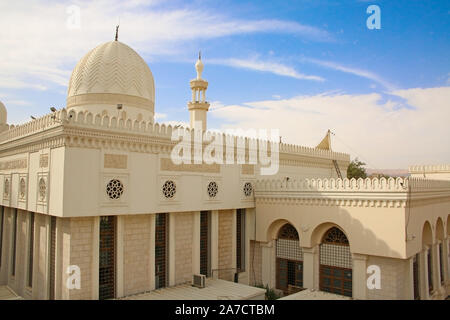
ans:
(352, 185)
(441, 168)
(99, 122)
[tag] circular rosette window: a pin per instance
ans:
(248, 189)
(169, 189)
(114, 189)
(213, 189)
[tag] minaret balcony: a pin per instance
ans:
(198, 105)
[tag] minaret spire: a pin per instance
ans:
(117, 32)
(198, 106)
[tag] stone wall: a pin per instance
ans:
(136, 253)
(81, 253)
(183, 247)
(255, 269)
(394, 278)
(225, 245)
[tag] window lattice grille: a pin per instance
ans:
(160, 250)
(416, 276)
(288, 232)
(204, 243)
(335, 236)
(248, 189)
(335, 255)
(289, 249)
(30, 251)
(107, 259)
(52, 257)
(430, 271)
(169, 189)
(13, 267)
(213, 189)
(441, 262)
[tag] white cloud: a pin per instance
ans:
(355, 71)
(159, 116)
(366, 125)
(266, 66)
(36, 44)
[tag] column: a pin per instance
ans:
(268, 264)
(423, 274)
(214, 243)
(359, 280)
(446, 255)
(435, 266)
(95, 258)
(119, 257)
(196, 243)
(311, 267)
(152, 251)
(248, 234)
(409, 288)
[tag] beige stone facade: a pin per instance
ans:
(104, 212)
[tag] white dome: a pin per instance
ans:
(111, 74)
(3, 113)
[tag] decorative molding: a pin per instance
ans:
(368, 184)
(167, 165)
(43, 160)
(311, 201)
(248, 169)
(14, 164)
(392, 193)
(87, 124)
(442, 168)
(115, 161)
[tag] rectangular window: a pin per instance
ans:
(240, 240)
(107, 258)
(161, 250)
(52, 259)
(416, 276)
(14, 243)
(30, 251)
(2, 210)
(430, 271)
(205, 246)
(441, 263)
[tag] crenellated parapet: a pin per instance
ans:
(353, 192)
(352, 185)
(140, 129)
(440, 168)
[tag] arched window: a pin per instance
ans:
(335, 236)
(335, 263)
(288, 232)
(289, 258)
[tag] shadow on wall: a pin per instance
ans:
(312, 229)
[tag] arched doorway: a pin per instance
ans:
(289, 260)
(335, 263)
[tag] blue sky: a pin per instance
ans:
(305, 65)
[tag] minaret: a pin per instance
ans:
(198, 106)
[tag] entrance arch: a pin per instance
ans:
(289, 260)
(335, 274)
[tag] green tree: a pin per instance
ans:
(356, 170)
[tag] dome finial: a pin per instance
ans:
(199, 66)
(117, 32)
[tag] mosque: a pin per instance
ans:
(94, 207)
